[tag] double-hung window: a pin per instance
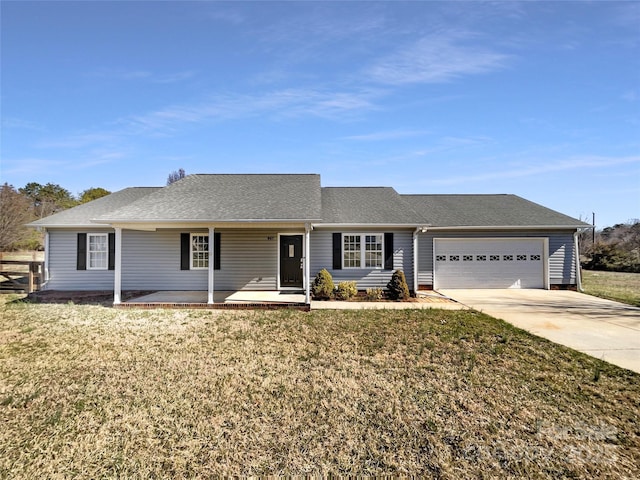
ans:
(362, 250)
(97, 251)
(199, 251)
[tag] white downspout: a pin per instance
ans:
(117, 274)
(576, 250)
(210, 270)
(45, 280)
(307, 263)
(415, 260)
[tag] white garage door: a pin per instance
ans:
(489, 263)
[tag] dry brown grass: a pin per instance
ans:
(94, 392)
(620, 286)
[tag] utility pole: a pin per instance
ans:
(593, 231)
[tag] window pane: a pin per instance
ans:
(351, 249)
(98, 251)
(373, 251)
(200, 251)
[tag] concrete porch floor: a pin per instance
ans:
(239, 297)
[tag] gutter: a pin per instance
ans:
(507, 227)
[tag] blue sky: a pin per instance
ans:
(539, 99)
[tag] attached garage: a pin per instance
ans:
(490, 262)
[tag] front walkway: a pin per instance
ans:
(221, 299)
(249, 299)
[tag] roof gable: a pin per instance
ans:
(367, 205)
(83, 214)
(230, 198)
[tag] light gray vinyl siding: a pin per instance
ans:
(562, 269)
(322, 257)
(63, 275)
(562, 260)
(248, 260)
(151, 261)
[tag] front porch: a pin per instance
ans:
(222, 300)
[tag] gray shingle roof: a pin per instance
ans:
(228, 198)
(367, 205)
(83, 214)
(245, 198)
(487, 210)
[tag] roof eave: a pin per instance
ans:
(68, 225)
(508, 227)
(113, 221)
(369, 225)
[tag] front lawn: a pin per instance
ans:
(619, 286)
(94, 392)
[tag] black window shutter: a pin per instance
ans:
(185, 243)
(81, 260)
(337, 251)
(112, 251)
(216, 251)
(388, 251)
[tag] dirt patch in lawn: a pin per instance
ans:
(94, 297)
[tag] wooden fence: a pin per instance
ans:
(21, 275)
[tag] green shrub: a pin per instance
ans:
(374, 294)
(346, 290)
(397, 287)
(322, 286)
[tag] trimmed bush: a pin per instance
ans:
(346, 290)
(374, 294)
(322, 286)
(397, 287)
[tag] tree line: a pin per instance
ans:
(35, 201)
(615, 248)
(32, 202)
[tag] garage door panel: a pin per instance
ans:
(489, 263)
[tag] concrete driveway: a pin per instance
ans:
(600, 328)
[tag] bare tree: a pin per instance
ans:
(15, 211)
(175, 176)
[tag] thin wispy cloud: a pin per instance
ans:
(281, 104)
(436, 59)
(226, 15)
(13, 122)
(29, 165)
(388, 135)
(141, 75)
(80, 140)
(575, 163)
(42, 165)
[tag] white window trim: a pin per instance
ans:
(202, 234)
(89, 252)
(363, 250)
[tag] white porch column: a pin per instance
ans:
(117, 274)
(307, 263)
(415, 261)
(210, 277)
